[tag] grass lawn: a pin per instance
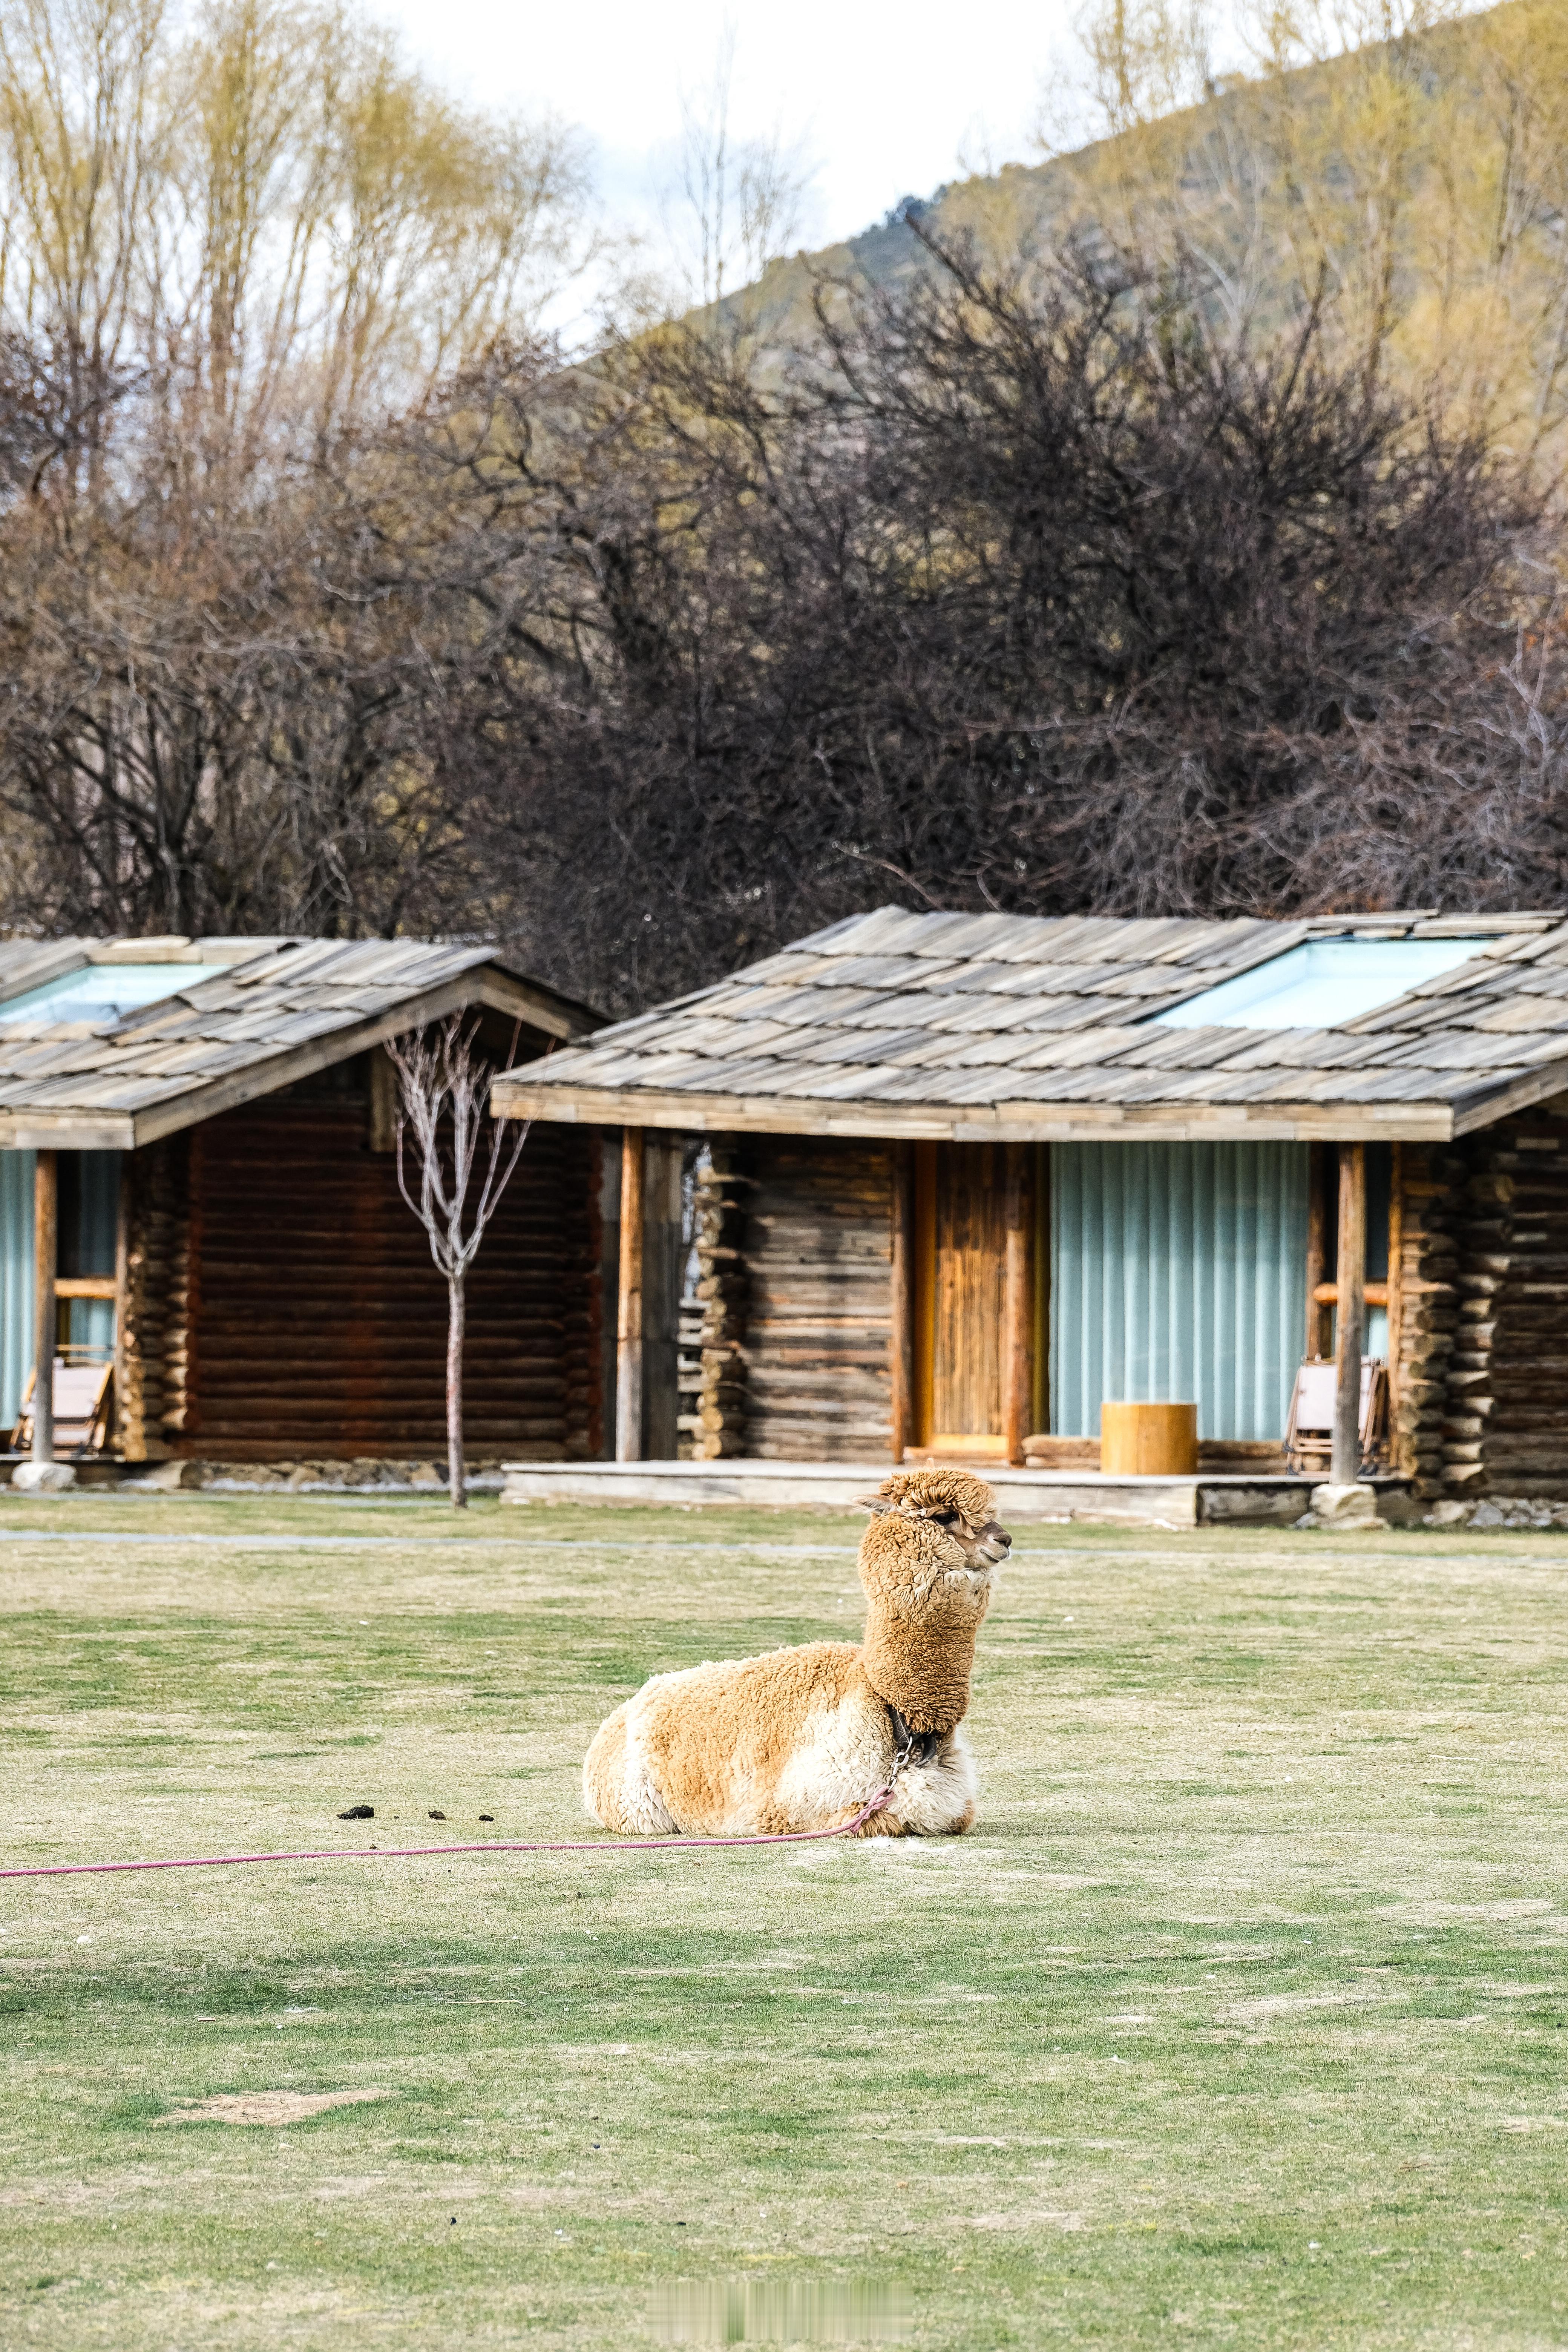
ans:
(1239, 2018)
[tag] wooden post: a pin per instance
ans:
(923, 1288)
(661, 1271)
(122, 1295)
(628, 1310)
(902, 1432)
(1349, 1283)
(609, 1150)
(1317, 1246)
(1018, 1306)
(382, 1135)
(1395, 1287)
(1040, 1413)
(45, 1319)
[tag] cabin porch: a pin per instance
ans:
(848, 1298)
(1023, 1497)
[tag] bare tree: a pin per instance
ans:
(737, 203)
(443, 1092)
(1042, 596)
(230, 249)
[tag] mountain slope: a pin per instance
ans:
(1416, 189)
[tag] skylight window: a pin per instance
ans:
(1320, 984)
(101, 993)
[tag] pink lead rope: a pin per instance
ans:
(883, 1798)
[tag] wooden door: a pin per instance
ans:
(961, 1281)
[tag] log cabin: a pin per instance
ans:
(952, 1181)
(198, 1186)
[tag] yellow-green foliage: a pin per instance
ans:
(1403, 167)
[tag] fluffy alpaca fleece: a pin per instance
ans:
(798, 1739)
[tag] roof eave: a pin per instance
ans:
(516, 1095)
(1486, 1105)
(67, 1130)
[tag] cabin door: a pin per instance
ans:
(960, 1286)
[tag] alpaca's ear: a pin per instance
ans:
(872, 1503)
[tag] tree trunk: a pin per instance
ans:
(457, 1485)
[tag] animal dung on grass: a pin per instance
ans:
(357, 1813)
(802, 1738)
(269, 2107)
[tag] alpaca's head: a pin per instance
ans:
(931, 1547)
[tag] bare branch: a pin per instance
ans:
(443, 1096)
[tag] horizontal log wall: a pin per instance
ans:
(1505, 1425)
(303, 1316)
(150, 1409)
(1432, 1183)
(818, 1302)
(713, 1323)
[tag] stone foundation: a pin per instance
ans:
(1499, 1511)
(324, 1476)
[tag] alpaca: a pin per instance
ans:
(798, 1739)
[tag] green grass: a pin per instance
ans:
(1241, 2019)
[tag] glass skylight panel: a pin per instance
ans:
(1320, 984)
(101, 993)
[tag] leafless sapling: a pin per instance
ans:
(443, 1086)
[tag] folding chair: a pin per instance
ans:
(83, 1408)
(1310, 1430)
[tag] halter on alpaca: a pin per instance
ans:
(799, 1738)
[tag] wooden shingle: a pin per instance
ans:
(931, 1023)
(277, 1010)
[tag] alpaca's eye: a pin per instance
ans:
(945, 1519)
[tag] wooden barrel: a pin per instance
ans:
(1149, 1440)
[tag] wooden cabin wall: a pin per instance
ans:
(151, 1357)
(1481, 1370)
(1504, 1199)
(1424, 1308)
(818, 1257)
(307, 1319)
(713, 1364)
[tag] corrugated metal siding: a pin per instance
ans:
(317, 1322)
(1178, 1272)
(16, 1176)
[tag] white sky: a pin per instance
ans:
(884, 97)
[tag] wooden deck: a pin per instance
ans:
(1023, 1497)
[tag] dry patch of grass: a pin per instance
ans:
(273, 2109)
(1242, 2019)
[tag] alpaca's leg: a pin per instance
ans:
(616, 1786)
(603, 1769)
(884, 1824)
(936, 1798)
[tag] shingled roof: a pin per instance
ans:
(279, 1009)
(984, 1027)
